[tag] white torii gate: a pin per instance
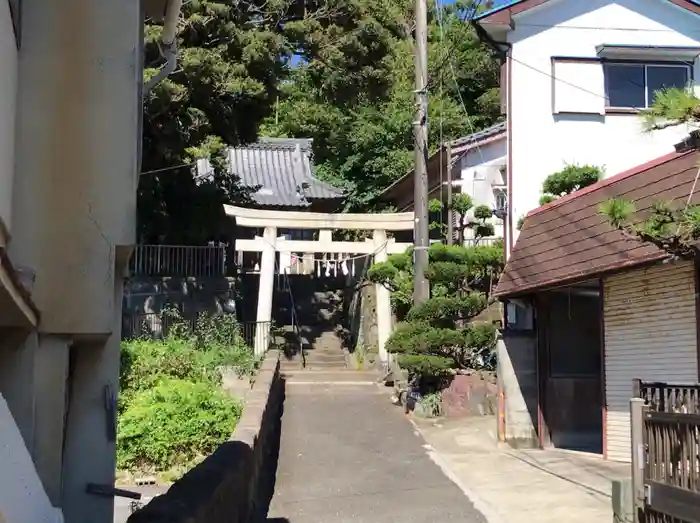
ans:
(269, 244)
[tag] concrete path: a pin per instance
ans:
(522, 486)
(348, 455)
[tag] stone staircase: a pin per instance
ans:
(318, 312)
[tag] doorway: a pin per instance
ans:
(570, 366)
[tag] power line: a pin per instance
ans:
(171, 168)
(571, 84)
(446, 57)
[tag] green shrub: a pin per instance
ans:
(171, 406)
(174, 423)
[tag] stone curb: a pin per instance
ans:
(224, 487)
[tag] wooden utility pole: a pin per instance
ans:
(450, 212)
(421, 289)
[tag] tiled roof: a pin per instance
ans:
(568, 240)
(278, 167)
(472, 139)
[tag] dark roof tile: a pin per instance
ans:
(278, 166)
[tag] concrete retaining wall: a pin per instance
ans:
(226, 487)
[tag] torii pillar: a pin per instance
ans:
(380, 246)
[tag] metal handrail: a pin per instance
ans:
(295, 320)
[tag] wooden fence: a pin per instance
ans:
(666, 452)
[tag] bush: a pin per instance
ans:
(174, 423)
(171, 406)
(440, 336)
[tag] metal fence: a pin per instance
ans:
(178, 260)
(157, 325)
(665, 423)
(480, 242)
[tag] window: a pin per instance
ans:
(633, 85)
(500, 199)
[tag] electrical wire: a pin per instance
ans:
(171, 168)
(443, 207)
(571, 84)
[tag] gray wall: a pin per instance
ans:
(517, 379)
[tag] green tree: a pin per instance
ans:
(674, 229)
(353, 89)
(570, 179)
(230, 62)
(441, 335)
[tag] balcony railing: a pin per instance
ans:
(473, 242)
(178, 261)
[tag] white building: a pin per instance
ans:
(478, 168)
(574, 78)
(70, 113)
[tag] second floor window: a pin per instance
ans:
(633, 85)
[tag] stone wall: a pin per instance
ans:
(191, 295)
(471, 395)
(228, 486)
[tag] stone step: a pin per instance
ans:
(324, 357)
(328, 376)
(326, 365)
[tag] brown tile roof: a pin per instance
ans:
(568, 240)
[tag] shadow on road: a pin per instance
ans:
(268, 479)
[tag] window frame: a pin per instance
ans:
(500, 191)
(689, 67)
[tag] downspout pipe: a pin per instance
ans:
(168, 44)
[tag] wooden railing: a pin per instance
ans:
(666, 452)
(178, 260)
(668, 397)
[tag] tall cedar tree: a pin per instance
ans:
(337, 71)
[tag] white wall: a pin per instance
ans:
(22, 496)
(8, 91)
(543, 143)
(481, 171)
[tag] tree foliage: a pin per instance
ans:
(570, 179)
(674, 228)
(337, 71)
(229, 69)
(462, 204)
(671, 107)
(671, 228)
(439, 336)
(353, 90)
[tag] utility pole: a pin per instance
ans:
(450, 212)
(421, 290)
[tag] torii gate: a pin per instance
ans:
(269, 244)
